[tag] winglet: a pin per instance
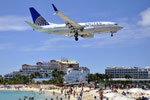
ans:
(54, 8)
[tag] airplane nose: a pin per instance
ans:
(120, 27)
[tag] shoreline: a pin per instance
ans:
(88, 94)
(45, 90)
(47, 93)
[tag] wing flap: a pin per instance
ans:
(87, 36)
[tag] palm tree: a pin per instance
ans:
(58, 76)
(1, 76)
(128, 76)
(32, 76)
(46, 75)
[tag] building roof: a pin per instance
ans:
(122, 67)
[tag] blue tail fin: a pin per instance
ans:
(37, 18)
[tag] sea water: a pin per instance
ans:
(16, 95)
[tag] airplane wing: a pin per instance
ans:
(72, 25)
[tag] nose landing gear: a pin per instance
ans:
(112, 33)
(76, 36)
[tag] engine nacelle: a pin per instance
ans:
(87, 36)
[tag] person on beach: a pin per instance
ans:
(25, 97)
(53, 92)
(79, 98)
(74, 93)
(65, 94)
(82, 88)
(101, 94)
(115, 90)
(61, 91)
(71, 90)
(57, 98)
(123, 93)
(81, 93)
(77, 94)
(68, 97)
(95, 98)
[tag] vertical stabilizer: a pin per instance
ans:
(37, 18)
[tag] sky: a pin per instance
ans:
(19, 44)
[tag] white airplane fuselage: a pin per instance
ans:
(89, 28)
(71, 28)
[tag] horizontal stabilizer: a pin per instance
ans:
(33, 25)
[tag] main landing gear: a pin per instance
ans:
(76, 36)
(112, 34)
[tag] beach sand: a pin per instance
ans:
(88, 94)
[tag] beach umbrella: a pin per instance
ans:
(18, 86)
(122, 98)
(7, 86)
(147, 91)
(136, 90)
(111, 95)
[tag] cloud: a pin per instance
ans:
(6, 46)
(50, 44)
(13, 23)
(145, 21)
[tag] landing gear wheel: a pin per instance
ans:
(112, 34)
(76, 38)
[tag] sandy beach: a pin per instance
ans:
(57, 90)
(88, 94)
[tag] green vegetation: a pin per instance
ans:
(35, 75)
(128, 76)
(103, 79)
(58, 77)
(46, 75)
(1, 76)
(18, 79)
(98, 78)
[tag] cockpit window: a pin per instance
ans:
(116, 24)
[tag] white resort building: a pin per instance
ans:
(133, 72)
(80, 75)
(71, 68)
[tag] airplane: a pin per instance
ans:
(71, 28)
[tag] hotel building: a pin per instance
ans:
(121, 72)
(80, 75)
(71, 68)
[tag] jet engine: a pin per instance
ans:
(87, 36)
